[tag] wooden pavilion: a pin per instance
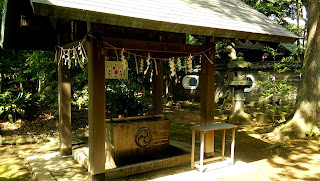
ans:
(158, 26)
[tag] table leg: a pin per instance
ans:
(233, 144)
(213, 143)
(201, 150)
(193, 148)
(223, 143)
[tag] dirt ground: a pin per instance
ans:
(295, 160)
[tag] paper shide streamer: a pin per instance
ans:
(189, 64)
(123, 60)
(148, 64)
(77, 54)
(172, 67)
(179, 66)
(79, 57)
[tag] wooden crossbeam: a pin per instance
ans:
(73, 44)
(151, 46)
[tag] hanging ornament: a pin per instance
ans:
(75, 56)
(84, 51)
(69, 59)
(141, 65)
(179, 64)
(190, 64)
(65, 57)
(148, 64)
(115, 50)
(83, 55)
(124, 61)
(135, 59)
(172, 66)
(80, 50)
(185, 66)
(156, 66)
(81, 63)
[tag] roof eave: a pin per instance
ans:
(97, 17)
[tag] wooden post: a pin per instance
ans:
(64, 101)
(207, 91)
(97, 127)
(157, 88)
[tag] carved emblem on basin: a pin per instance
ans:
(143, 137)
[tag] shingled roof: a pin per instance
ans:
(219, 18)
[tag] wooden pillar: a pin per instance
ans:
(157, 88)
(207, 91)
(97, 128)
(64, 101)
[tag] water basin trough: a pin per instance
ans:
(137, 145)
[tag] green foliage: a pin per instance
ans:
(221, 52)
(81, 97)
(27, 82)
(272, 87)
(169, 116)
(129, 97)
(272, 51)
(122, 98)
(313, 134)
(192, 40)
(79, 79)
(275, 88)
(14, 102)
(1, 10)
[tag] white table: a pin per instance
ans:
(206, 128)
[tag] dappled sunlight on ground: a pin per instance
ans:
(186, 173)
(256, 157)
(297, 160)
(58, 167)
(13, 167)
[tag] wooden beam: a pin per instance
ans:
(152, 46)
(73, 44)
(97, 127)
(135, 118)
(111, 53)
(207, 91)
(64, 102)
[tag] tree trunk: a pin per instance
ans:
(298, 26)
(307, 115)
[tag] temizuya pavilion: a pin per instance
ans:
(158, 27)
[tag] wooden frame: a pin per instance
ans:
(152, 46)
(203, 129)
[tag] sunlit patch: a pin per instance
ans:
(10, 168)
(11, 126)
(316, 157)
(238, 169)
